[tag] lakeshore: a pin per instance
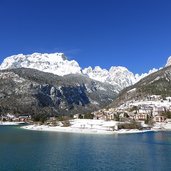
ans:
(92, 126)
(11, 123)
(89, 126)
(86, 126)
(81, 130)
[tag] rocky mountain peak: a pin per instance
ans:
(58, 64)
(168, 61)
(55, 63)
(116, 75)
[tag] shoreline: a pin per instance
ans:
(82, 130)
(88, 126)
(10, 123)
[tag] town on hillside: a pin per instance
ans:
(153, 109)
(147, 113)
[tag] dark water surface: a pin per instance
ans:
(24, 150)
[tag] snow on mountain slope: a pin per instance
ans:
(168, 61)
(139, 77)
(115, 76)
(58, 64)
(97, 73)
(55, 63)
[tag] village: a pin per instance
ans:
(11, 119)
(153, 109)
(154, 112)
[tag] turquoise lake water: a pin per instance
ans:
(24, 150)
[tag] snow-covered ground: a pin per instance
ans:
(86, 126)
(11, 123)
(156, 103)
(162, 126)
(81, 130)
(159, 103)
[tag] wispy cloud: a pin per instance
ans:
(70, 53)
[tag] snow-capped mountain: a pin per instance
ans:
(157, 84)
(168, 61)
(55, 63)
(115, 76)
(139, 77)
(58, 64)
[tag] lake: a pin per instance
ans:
(25, 150)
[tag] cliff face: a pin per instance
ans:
(35, 92)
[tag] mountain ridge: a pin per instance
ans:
(25, 90)
(57, 63)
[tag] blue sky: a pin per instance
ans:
(131, 33)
